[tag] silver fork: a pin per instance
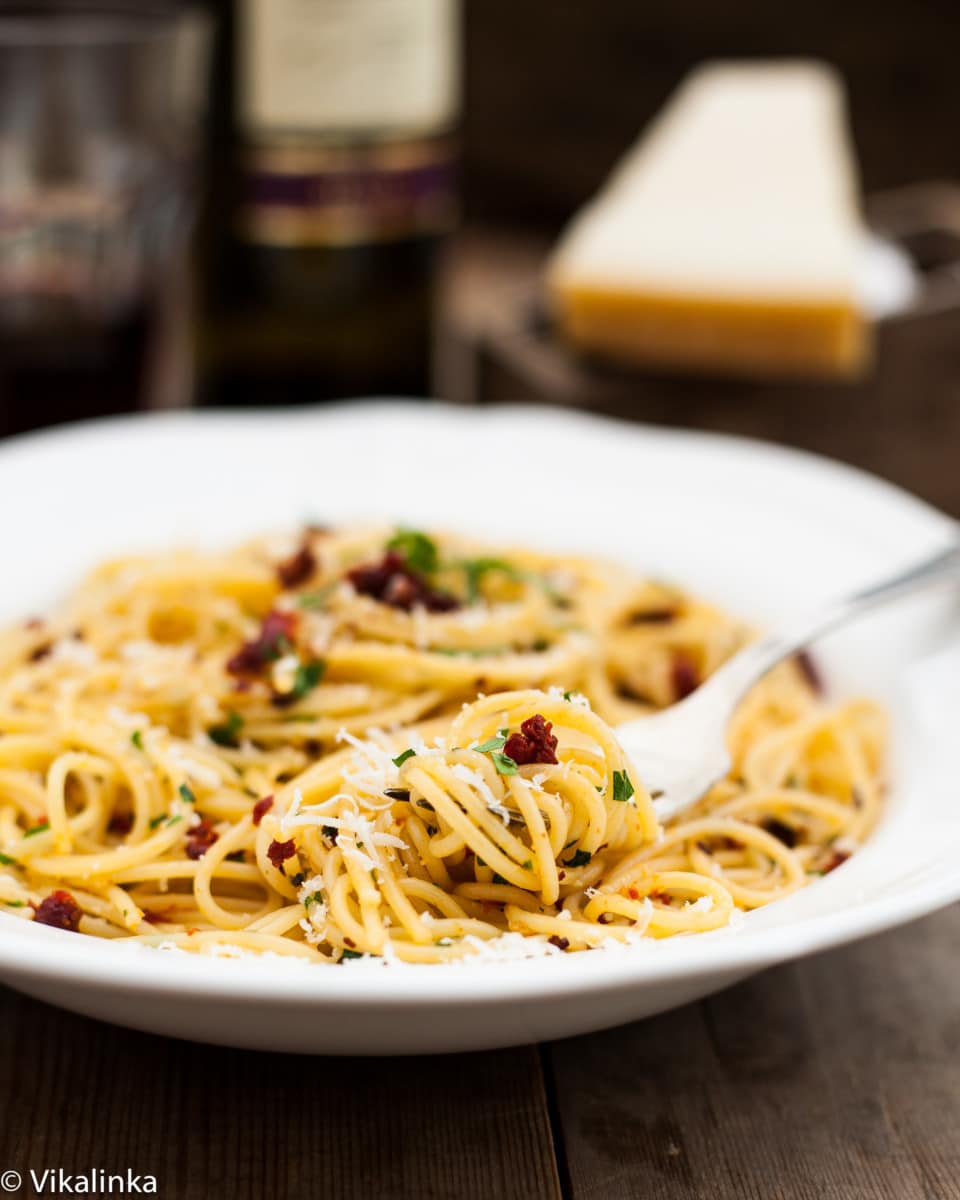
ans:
(681, 752)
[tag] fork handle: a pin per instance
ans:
(747, 667)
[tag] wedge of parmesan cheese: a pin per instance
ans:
(728, 240)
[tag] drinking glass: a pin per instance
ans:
(100, 115)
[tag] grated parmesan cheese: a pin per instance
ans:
(475, 780)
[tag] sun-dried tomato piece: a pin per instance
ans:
(535, 743)
(60, 911)
(298, 567)
(277, 632)
(392, 582)
(279, 852)
(561, 943)
(261, 808)
(200, 838)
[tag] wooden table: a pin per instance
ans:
(838, 1077)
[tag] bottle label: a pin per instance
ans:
(346, 195)
(347, 66)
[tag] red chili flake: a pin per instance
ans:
(561, 943)
(684, 676)
(59, 911)
(837, 859)
(633, 893)
(121, 824)
(279, 852)
(273, 641)
(807, 666)
(661, 897)
(261, 808)
(535, 743)
(781, 831)
(391, 581)
(200, 838)
(350, 942)
(298, 567)
(653, 616)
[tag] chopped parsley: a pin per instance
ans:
(7, 861)
(474, 570)
(173, 820)
(34, 830)
(497, 878)
(186, 794)
(237, 856)
(504, 764)
(494, 747)
(15, 903)
(491, 744)
(528, 865)
(622, 787)
(155, 821)
(580, 859)
(402, 758)
(351, 954)
(227, 732)
(419, 551)
(311, 898)
(306, 678)
(137, 739)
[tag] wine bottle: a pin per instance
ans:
(331, 190)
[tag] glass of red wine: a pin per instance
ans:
(100, 116)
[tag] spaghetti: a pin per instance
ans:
(375, 742)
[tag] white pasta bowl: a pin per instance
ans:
(760, 530)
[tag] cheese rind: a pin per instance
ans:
(728, 239)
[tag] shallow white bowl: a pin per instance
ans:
(763, 530)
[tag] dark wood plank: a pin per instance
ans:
(834, 1078)
(214, 1122)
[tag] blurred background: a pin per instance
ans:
(273, 202)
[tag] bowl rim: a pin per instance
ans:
(30, 951)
